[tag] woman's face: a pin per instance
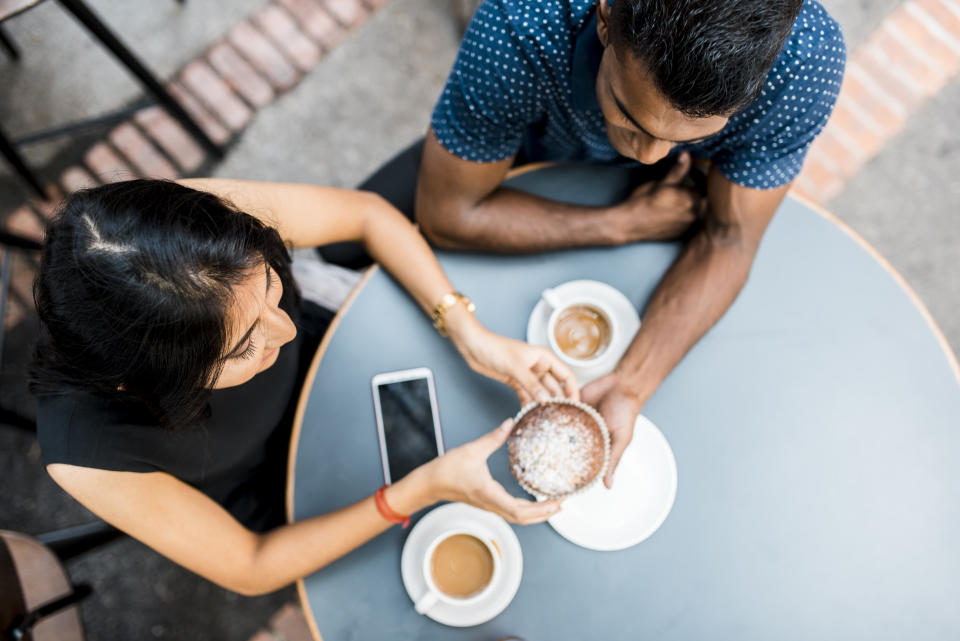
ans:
(258, 328)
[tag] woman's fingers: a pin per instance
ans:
(556, 391)
(563, 375)
(518, 510)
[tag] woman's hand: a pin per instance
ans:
(462, 475)
(534, 373)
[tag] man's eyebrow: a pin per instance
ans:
(626, 114)
(236, 348)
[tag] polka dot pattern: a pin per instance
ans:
(512, 74)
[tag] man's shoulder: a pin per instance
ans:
(815, 33)
(531, 18)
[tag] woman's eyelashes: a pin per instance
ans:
(249, 352)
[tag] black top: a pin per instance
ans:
(238, 457)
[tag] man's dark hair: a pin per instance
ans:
(133, 293)
(707, 57)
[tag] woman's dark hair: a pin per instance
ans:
(708, 57)
(134, 291)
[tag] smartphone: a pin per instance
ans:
(408, 423)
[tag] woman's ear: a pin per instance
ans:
(603, 21)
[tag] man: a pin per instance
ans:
(745, 84)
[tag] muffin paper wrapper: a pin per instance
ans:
(606, 446)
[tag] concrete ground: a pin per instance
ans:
(369, 98)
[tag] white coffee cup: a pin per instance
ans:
(558, 305)
(433, 595)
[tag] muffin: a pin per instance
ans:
(558, 448)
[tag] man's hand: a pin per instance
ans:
(661, 209)
(619, 408)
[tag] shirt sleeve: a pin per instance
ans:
(789, 115)
(492, 93)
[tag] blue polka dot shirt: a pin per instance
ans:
(518, 82)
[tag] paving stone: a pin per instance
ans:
(106, 165)
(938, 44)
(49, 207)
(349, 13)
(23, 221)
(20, 296)
(289, 624)
(280, 27)
(256, 48)
(891, 46)
(316, 22)
(210, 125)
(940, 11)
(897, 88)
(857, 128)
(213, 92)
(170, 136)
(862, 91)
(820, 178)
(240, 75)
(135, 147)
(76, 178)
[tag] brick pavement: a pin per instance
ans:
(906, 61)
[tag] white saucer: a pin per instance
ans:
(644, 488)
(620, 305)
(448, 517)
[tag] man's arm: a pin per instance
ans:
(462, 205)
(695, 292)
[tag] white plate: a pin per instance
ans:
(645, 483)
(644, 488)
(620, 305)
(449, 517)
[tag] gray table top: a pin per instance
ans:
(815, 430)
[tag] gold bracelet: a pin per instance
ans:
(447, 301)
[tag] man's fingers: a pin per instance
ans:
(616, 452)
(679, 170)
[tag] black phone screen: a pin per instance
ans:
(407, 425)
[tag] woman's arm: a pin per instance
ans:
(311, 215)
(192, 530)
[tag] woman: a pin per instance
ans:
(168, 361)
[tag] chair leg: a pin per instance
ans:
(9, 45)
(79, 539)
(16, 160)
(93, 24)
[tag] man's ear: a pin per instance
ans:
(603, 21)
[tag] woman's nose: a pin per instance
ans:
(281, 328)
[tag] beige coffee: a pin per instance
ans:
(461, 566)
(582, 332)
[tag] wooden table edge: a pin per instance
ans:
(897, 276)
(298, 424)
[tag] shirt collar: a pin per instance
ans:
(587, 52)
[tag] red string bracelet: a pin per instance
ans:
(386, 511)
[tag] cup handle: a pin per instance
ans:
(427, 601)
(551, 298)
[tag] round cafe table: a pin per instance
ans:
(816, 430)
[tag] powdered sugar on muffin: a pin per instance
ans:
(558, 448)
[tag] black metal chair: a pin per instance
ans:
(10, 8)
(37, 599)
(10, 243)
